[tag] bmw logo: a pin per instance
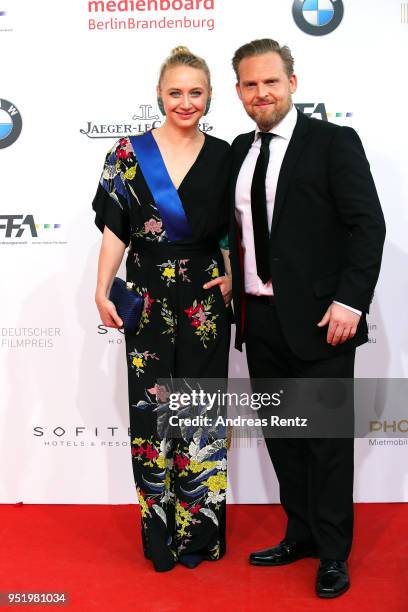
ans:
(10, 123)
(318, 17)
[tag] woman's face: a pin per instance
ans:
(185, 92)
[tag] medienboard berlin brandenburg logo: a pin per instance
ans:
(10, 123)
(318, 17)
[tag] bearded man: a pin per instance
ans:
(306, 241)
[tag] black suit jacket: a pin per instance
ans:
(326, 237)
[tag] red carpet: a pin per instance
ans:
(94, 554)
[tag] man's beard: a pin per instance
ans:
(267, 121)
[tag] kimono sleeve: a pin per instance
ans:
(111, 202)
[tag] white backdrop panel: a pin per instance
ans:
(64, 390)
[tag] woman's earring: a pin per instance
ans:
(161, 105)
(207, 106)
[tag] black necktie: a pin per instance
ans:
(258, 208)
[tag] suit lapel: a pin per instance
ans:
(292, 154)
(241, 149)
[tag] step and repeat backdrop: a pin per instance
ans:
(74, 78)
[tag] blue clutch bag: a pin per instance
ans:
(128, 303)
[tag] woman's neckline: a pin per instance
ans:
(192, 165)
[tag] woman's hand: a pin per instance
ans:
(107, 312)
(225, 284)
(110, 256)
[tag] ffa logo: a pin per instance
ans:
(317, 17)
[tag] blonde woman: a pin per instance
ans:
(163, 195)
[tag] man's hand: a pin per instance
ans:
(225, 284)
(342, 324)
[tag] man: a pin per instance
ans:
(306, 241)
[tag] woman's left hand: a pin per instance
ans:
(225, 287)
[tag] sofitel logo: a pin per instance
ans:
(77, 431)
(112, 334)
(78, 435)
(146, 119)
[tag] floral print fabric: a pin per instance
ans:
(183, 333)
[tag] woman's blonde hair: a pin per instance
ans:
(182, 56)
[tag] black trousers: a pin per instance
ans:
(315, 474)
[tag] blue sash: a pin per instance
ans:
(160, 184)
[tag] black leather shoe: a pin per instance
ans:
(282, 554)
(332, 578)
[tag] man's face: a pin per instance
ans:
(265, 89)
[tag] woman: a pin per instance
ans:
(163, 194)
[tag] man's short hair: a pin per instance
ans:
(260, 47)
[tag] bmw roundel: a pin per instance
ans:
(10, 123)
(318, 17)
